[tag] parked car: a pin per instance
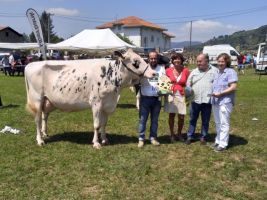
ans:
(176, 50)
(261, 61)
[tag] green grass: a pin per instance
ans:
(67, 167)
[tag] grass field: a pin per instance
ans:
(67, 167)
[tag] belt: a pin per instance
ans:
(149, 96)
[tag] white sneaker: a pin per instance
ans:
(141, 143)
(155, 142)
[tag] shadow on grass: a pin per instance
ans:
(9, 106)
(126, 105)
(87, 137)
(234, 140)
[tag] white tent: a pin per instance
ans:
(26, 46)
(95, 41)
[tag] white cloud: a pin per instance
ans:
(63, 11)
(203, 30)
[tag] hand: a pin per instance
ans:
(217, 94)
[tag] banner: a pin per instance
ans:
(34, 20)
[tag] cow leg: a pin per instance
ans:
(47, 108)
(44, 124)
(96, 118)
(104, 121)
(138, 95)
(38, 121)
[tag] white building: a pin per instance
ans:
(141, 33)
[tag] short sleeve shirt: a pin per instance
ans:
(149, 86)
(221, 82)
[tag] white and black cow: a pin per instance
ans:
(80, 84)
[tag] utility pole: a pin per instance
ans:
(190, 40)
(190, 44)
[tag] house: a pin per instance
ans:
(8, 34)
(141, 33)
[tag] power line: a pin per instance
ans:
(190, 18)
(211, 14)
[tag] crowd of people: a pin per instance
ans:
(211, 90)
(14, 63)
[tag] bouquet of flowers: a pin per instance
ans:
(164, 85)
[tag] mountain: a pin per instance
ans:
(245, 40)
(184, 44)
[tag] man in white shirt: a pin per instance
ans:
(200, 80)
(150, 102)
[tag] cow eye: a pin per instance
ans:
(136, 64)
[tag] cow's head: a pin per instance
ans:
(135, 64)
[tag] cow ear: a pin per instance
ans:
(119, 54)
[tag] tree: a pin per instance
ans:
(47, 28)
(125, 39)
(26, 37)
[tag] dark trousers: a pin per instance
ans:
(195, 109)
(149, 105)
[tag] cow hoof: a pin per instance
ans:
(97, 145)
(45, 135)
(41, 143)
(105, 142)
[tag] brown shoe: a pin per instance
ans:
(180, 138)
(203, 141)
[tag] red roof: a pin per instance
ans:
(169, 34)
(131, 21)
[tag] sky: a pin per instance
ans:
(210, 18)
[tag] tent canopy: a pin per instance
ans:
(25, 46)
(95, 41)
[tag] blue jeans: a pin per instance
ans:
(149, 105)
(195, 109)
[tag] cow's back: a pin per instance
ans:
(69, 85)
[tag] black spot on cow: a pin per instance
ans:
(103, 72)
(109, 72)
(117, 62)
(64, 86)
(85, 78)
(61, 89)
(92, 87)
(98, 83)
(69, 89)
(84, 87)
(78, 78)
(73, 70)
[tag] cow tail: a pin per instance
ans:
(29, 105)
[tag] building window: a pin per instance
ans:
(152, 38)
(6, 34)
(119, 27)
(157, 40)
(145, 41)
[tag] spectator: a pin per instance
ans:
(150, 102)
(240, 63)
(200, 80)
(223, 97)
(175, 104)
(6, 65)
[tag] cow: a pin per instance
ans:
(80, 84)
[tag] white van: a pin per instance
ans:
(215, 50)
(261, 62)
